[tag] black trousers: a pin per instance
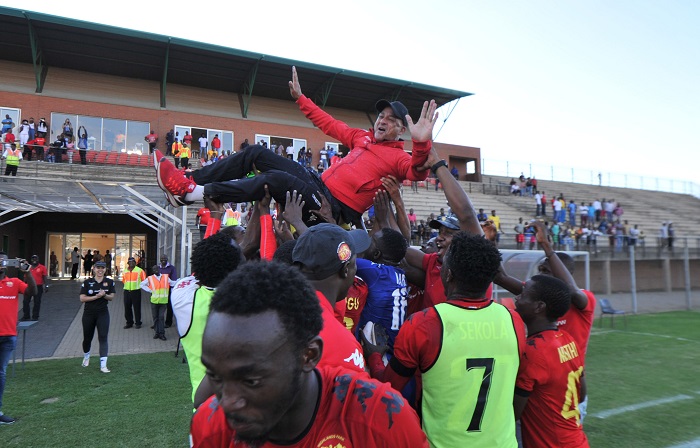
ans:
(169, 311)
(225, 180)
(132, 307)
(99, 320)
(37, 303)
(11, 170)
(74, 270)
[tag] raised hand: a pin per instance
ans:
(294, 87)
(392, 186)
(325, 212)
(293, 208)
(422, 130)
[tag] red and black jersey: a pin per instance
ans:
(353, 411)
(578, 323)
(550, 376)
(340, 348)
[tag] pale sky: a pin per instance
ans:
(610, 86)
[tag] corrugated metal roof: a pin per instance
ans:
(91, 47)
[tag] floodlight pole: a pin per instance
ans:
(633, 280)
(686, 269)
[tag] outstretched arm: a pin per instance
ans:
(392, 186)
(457, 198)
(578, 298)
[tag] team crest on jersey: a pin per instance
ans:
(344, 252)
(332, 441)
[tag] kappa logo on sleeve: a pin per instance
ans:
(356, 358)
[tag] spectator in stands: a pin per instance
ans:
(556, 210)
(152, 139)
(598, 209)
(67, 129)
(481, 216)
(497, 223)
(583, 211)
(169, 140)
(187, 139)
(519, 234)
(671, 232)
(216, 144)
(8, 140)
(455, 172)
(42, 128)
(544, 204)
(634, 235)
(23, 133)
(7, 124)
(538, 204)
(82, 145)
(514, 188)
(572, 213)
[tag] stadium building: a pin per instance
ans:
(119, 84)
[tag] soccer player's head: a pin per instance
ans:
(326, 254)
(470, 265)
(388, 247)
(543, 297)
(284, 252)
(545, 268)
(214, 258)
(261, 345)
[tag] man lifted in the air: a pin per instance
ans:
(349, 185)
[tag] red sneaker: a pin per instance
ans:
(171, 180)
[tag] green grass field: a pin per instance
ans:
(145, 401)
(656, 358)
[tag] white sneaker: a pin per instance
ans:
(86, 362)
(104, 370)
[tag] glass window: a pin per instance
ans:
(63, 123)
(113, 135)
(14, 117)
(93, 126)
(136, 132)
(227, 142)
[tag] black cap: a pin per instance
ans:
(35, 256)
(399, 109)
(324, 248)
(100, 264)
(450, 221)
(131, 259)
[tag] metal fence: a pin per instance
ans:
(509, 168)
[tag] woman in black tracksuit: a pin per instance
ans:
(95, 293)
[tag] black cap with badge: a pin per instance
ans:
(397, 107)
(450, 221)
(324, 248)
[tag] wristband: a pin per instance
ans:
(437, 165)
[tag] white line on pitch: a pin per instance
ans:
(639, 333)
(644, 405)
(689, 444)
